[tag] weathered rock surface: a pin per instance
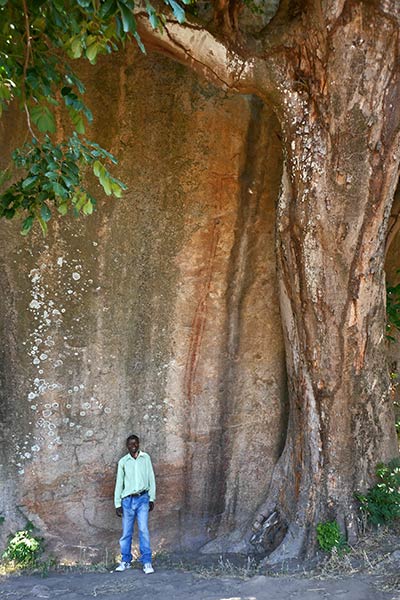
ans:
(158, 315)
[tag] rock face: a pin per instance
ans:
(157, 316)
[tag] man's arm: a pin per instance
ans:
(119, 486)
(152, 484)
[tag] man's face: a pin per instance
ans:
(133, 447)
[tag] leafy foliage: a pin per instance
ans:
(22, 547)
(54, 175)
(38, 42)
(330, 537)
(392, 311)
(381, 503)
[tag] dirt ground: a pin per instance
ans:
(364, 574)
(368, 571)
(177, 585)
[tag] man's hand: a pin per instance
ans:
(151, 506)
(118, 511)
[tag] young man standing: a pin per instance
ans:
(135, 492)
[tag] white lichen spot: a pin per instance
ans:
(60, 261)
(35, 275)
(89, 433)
(35, 305)
(107, 410)
(43, 356)
(82, 413)
(35, 448)
(76, 276)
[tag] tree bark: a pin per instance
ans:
(341, 138)
(335, 85)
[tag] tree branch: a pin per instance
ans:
(26, 63)
(234, 68)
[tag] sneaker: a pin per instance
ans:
(148, 568)
(123, 566)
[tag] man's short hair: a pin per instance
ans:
(132, 437)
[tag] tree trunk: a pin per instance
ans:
(341, 149)
(331, 71)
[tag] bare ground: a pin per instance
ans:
(370, 571)
(179, 585)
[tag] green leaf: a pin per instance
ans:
(45, 213)
(154, 21)
(59, 190)
(29, 182)
(128, 20)
(87, 208)
(106, 183)
(43, 225)
(139, 42)
(76, 47)
(97, 168)
(43, 118)
(63, 208)
(107, 8)
(77, 120)
(177, 10)
(116, 190)
(27, 225)
(91, 52)
(79, 200)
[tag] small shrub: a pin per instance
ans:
(330, 537)
(22, 547)
(381, 503)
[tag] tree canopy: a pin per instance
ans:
(39, 41)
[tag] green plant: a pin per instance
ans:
(392, 311)
(330, 537)
(23, 547)
(39, 42)
(381, 503)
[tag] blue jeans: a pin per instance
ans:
(135, 508)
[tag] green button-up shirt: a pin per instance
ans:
(133, 476)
